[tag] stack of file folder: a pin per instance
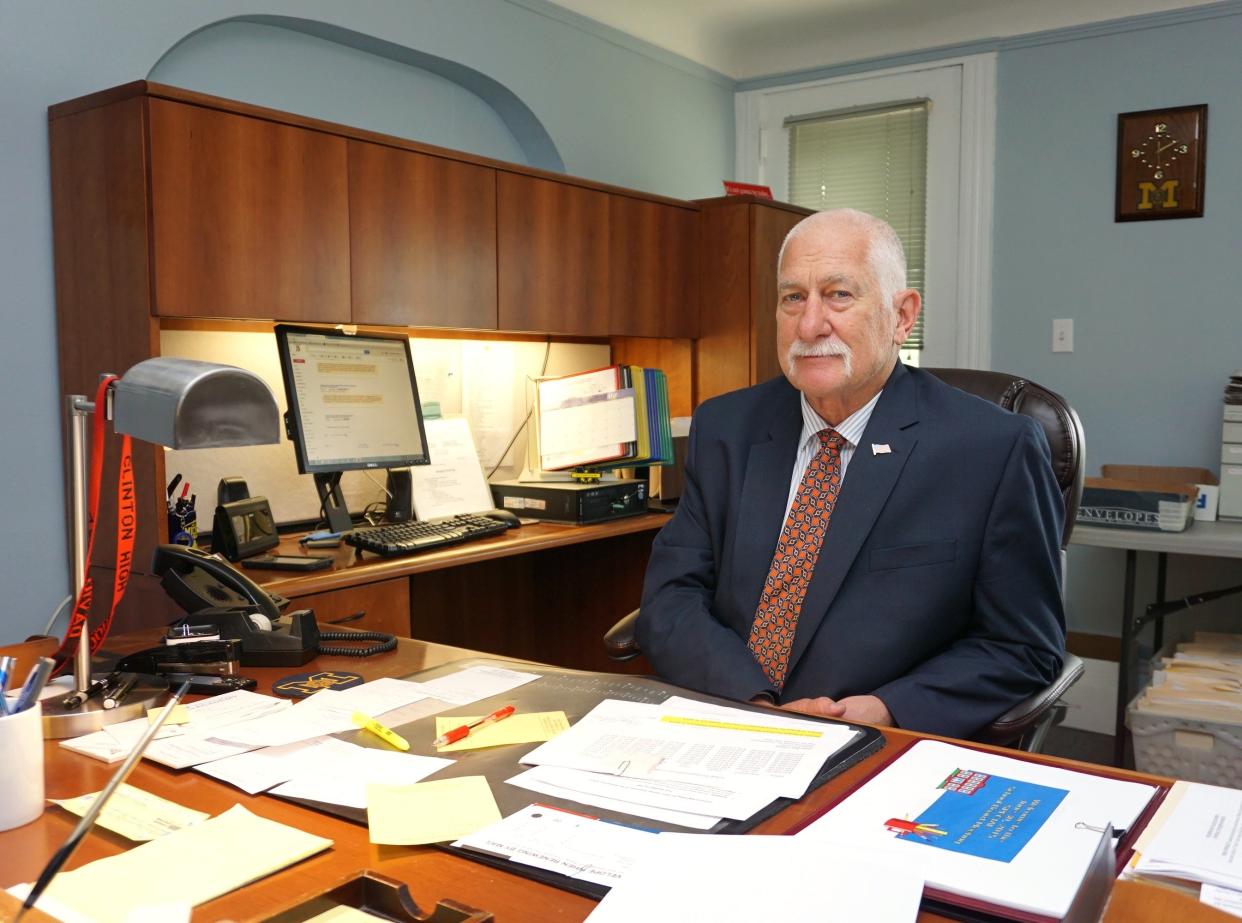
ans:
(614, 417)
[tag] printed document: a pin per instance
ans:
(453, 482)
(682, 755)
(1199, 839)
(135, 814)
(474, 683)
(984, 826)
(560, 841)
(598, 791)
(341, 772)
(740, 879)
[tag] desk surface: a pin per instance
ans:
(1222, 539)
(348, 569)
(430, 873)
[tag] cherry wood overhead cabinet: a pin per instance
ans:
(249, 218)
(422, 239)
(740, 239)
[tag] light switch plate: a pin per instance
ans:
(1063, 335)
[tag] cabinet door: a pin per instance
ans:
(422, 233)
(768, 229)
(553, 256)
(384, 606)
(654, 267)
(249, 218)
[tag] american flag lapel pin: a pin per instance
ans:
(880, 448)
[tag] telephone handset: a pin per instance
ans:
(197, 580)
(216, 594)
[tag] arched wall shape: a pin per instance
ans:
(529, 134)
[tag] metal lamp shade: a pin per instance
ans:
(188, 404)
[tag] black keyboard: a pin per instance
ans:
(420, 535)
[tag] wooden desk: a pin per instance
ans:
(1213, 539)
(430, 873)
(544, 592)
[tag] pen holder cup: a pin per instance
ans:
(21, 742)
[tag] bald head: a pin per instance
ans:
(886, 258)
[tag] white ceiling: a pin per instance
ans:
(754, 38)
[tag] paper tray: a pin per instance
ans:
(575, 692)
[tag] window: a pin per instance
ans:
(874, 160)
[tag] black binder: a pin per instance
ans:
(574, 692)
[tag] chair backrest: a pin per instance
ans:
(1060, 423)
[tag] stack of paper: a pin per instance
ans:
(985, 827)
(615, 417)
(1194, 838)
(1201, 681)
(683, 762)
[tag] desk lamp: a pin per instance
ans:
(177, 403)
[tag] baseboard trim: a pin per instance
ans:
(1094, 647)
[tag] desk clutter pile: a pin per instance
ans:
(934, 824)
(1188, 722)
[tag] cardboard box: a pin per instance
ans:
(1151, 497)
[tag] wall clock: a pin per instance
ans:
(1160, 163)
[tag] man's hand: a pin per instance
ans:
(866, 709)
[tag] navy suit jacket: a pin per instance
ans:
(938, 588)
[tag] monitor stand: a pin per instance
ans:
(332, 501)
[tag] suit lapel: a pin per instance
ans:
(765, 490)
(868, 482)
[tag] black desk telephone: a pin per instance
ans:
(213, 593)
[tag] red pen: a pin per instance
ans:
(457, 733)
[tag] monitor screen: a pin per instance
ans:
(353, 400)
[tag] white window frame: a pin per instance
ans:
(762, 157)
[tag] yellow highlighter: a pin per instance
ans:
(388, 735)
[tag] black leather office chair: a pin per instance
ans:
(1026, 724)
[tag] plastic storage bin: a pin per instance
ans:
(1186, 748)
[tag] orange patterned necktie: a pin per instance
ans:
(772, 633)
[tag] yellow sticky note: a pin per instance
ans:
(180, 715)
(522, 728)
(429, 812)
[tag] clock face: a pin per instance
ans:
(1160, 163)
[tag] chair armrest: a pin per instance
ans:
(1027, 715)
(620, 642)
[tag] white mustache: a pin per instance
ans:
(826, 346)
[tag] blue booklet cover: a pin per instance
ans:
(981, 815)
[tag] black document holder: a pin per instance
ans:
(574, 692)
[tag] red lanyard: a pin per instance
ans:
(126, 530)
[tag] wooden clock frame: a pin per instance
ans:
(1153, 185)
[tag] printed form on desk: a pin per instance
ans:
(688, 756)
(986, 827)
(1196, 836)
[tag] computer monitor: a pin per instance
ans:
(353, 403)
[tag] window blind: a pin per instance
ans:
(874, 160)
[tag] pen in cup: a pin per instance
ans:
(6, 668)
(35, 682)
(457, 733)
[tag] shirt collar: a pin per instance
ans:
(850, 429)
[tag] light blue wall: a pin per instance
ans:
(1157, 321)
(616, 111)
(1154, 303)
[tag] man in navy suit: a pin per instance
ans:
(901, 569)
